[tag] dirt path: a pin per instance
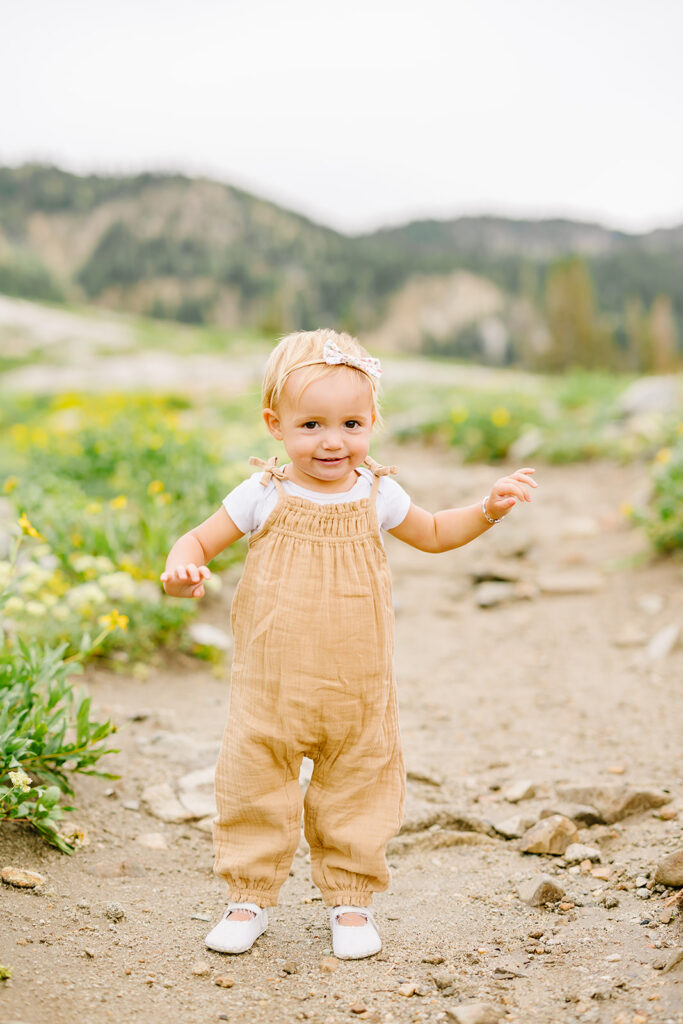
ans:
(550, 688)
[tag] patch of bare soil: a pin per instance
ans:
(552, 684)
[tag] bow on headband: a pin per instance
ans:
(333, 355)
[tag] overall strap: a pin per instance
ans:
(377, 471)
(271, 469)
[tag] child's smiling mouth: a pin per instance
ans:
(339, 458)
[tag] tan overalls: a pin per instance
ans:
(312, 674)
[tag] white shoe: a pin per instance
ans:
(234, 936)
(353, 942)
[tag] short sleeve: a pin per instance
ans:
(393, 503)
(243, 503)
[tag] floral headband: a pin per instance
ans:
(334, 356)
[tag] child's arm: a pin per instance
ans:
(454, 527)
(186, 567)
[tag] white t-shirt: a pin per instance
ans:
(250, 503)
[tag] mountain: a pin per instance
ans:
(202, 251)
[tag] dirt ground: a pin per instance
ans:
(553, 688)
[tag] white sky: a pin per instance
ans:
(362, 112)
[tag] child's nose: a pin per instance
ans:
(332, 439)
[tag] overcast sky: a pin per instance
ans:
(363, 112)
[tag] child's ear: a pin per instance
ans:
(273, 423)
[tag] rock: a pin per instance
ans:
(407, 989)
(613, 800)
(114, 911)
(515, 826)
(152, 840)
(445, 817)
(649, 394)
(200, 805)
(224, 981)
(523, 789)
(663, 642)
(643, 893)
(205, 825)
(200, 969)
(21, 877)
(290, 967)
(673, 960)
(444, 980)
(576, 852)
(329, 964)
(206, 635)
(539, 890)
(179, 748)
(487, 595)
(670, 870)
(163, 804)
(550, 835)
(570, 581)
(198, 779)
(433, 958)
(117, 869)
(580, 814)
(475, 1013)
(666, 813)
(358, 1008)
(131, 805)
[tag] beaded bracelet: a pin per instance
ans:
(487, 517)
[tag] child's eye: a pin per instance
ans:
(352, 423)
(311, 424)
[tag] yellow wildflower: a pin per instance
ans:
(163, 499)
(93, 508)
(459, 414)
(500, 416)
(156, 487)
(114, 620)
(28, 528)
(119, 502)
(76, 539)
(663, 456)
(9, 484)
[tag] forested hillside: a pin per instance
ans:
(541, 293)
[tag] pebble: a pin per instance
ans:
(488, 595)
(358, 1008)
(643, 894)
(670, 870)
(224, 981)
(407, 989)
(475, 1013)
(666, 814)
(153, 841)
(515, 826)
(444, 980)
(21, 877)
(432, 959)
(663, 642)
(524, 789)
(329, 964)
(114, 911)
(162, 803)
(539, 890)
(550, 835)
(674, 959)
(577, 852)
(290, 967)
(200, 969)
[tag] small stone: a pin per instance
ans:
(163, 804)
(89, 953)
(550, 835)
(131, 805)
(674, 959)
(329, 964)
(200, 969)
(432, 959)
(152, 840)
(475, 1013)
(616, 769)
(114, 911)
(611, 902)
(490, 594)
(577, 852)
(603, 873)
(358, 1008)
(407, 989)
(643, 893)
(613, 800)
(515, 826)
(538, 891)
(666, 915)
(524, 789)
(290, 967)
(21, 877)
(443, 979)
(224, 981)
(670, 870)
(666, 813)
(663, 642)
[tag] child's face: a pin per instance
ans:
(326, 432)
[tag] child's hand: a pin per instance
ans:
(185, 580)
(508, 489)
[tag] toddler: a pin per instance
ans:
(312, 619)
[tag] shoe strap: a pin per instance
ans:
(252, 907)
(363, 911)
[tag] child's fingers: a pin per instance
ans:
(198, 591)
(205, 572)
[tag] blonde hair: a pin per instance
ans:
(305, 349)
